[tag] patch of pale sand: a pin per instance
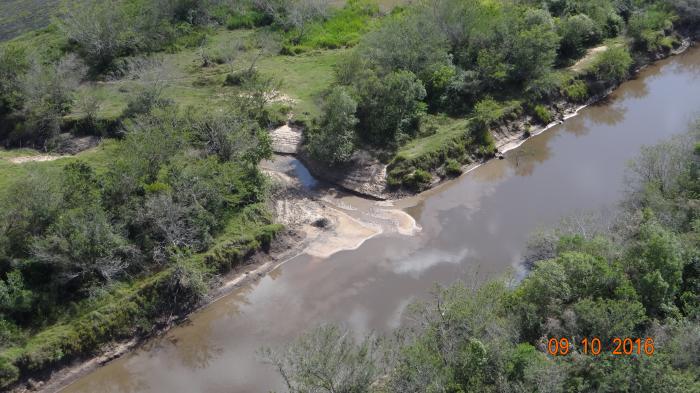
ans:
(590, 54)
(401, 221)
(347, 234)
(285, 139)
(274, 96)
(39, 158)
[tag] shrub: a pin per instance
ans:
(418, 180)
(545, 87)
(648, 29)
(188, 283)
(145, 100)
(488, 112)
(9, 373)
(100, 31)
(295, 16)
(576, 91)
(453, 168)
(238, 78)
(247, 19)
(543, 114)
(13, 64)
(46, 95)
(394, 178)
(612, 65)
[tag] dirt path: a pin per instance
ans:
(39, 158)
(586, 60)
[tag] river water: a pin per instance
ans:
(475, 226)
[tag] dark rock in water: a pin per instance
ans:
(322, 223)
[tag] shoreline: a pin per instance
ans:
(345, 232)
(504, 142)
(262, 263)
(258, 266)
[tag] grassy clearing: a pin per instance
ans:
(99, 158)
(19, 16)
(10, 172)
(186, 82)
(448, 140)
(445, 129)
(304, 77)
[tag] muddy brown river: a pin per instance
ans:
(475, 225)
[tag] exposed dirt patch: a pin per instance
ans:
(363, 174)
(36, 158)
(586, 60)
(286, 139)
(69, 144)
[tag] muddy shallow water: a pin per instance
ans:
(477, 224)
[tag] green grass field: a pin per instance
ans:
(447, 130)
(301, 78)
(21, 16)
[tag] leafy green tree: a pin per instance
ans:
(100, 31)
(29, 206)
(13, 65)
(534, 47)
(603, 12)
(406, 42)
(577, 32)
(47, 94)
(389, 107)
(648, 28)
(81, 245)
(492, 67)
(687, 10)
(608, 318)
(333, 142)
(15, 298)
(655, 265)
(613, 64)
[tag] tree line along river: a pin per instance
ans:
(475, 226)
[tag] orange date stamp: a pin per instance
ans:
(622, 346)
